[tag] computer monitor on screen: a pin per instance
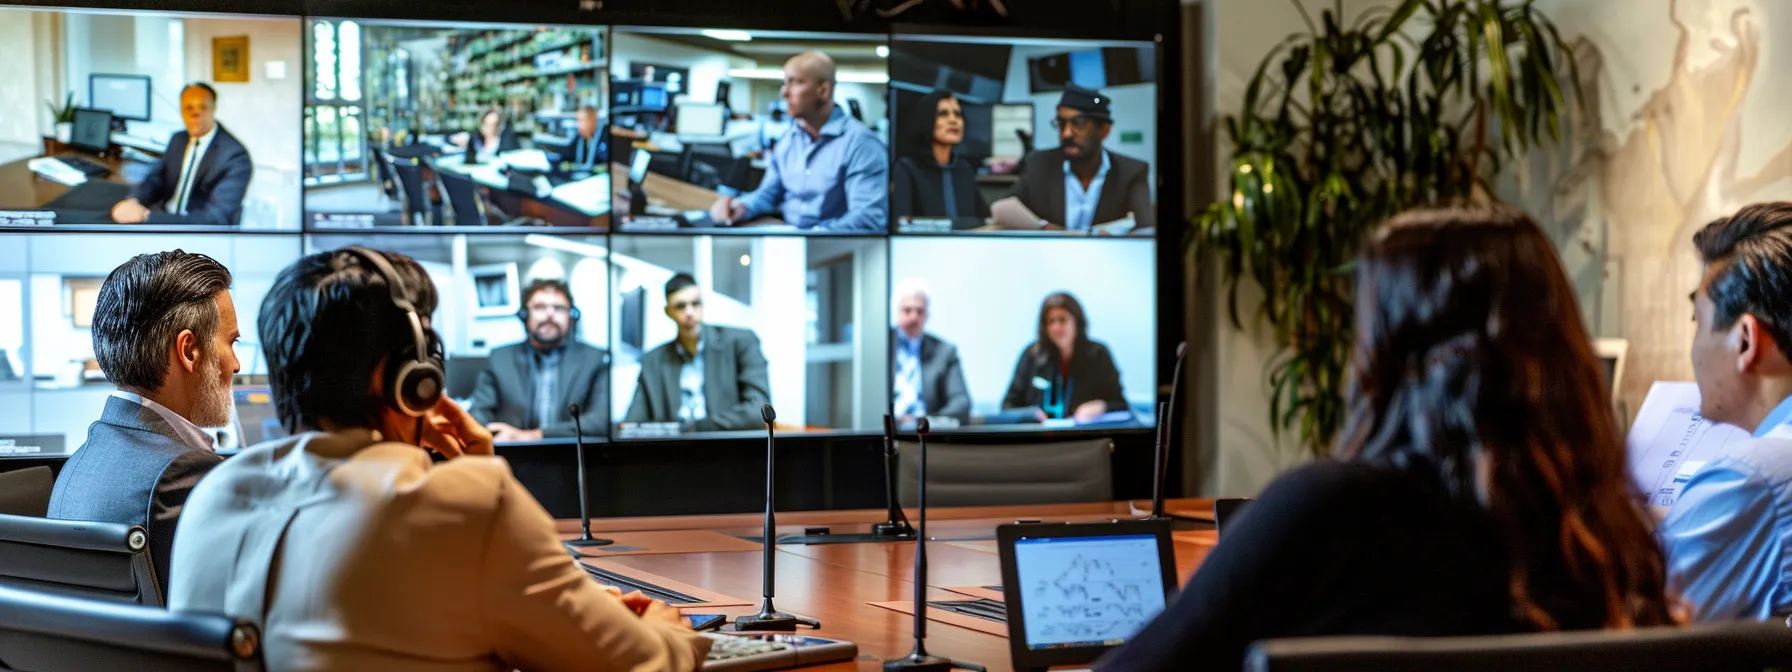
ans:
(653, 96)
(1007, 122)
(92, 132)
(701, 119)
(125, 96)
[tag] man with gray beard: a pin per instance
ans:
(164, 327)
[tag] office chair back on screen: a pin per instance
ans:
(1724, 647)
(41, 632)
(26, 492)
(103, 561)
(1008, 475)
(463, 198)
(711, 165)
(414, 200)
(382, 164)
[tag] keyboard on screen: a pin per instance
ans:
(756, 652)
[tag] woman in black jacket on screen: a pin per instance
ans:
(1479, 484)
(931, 178)
(1063, 372)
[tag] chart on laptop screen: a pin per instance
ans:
(1089, 591)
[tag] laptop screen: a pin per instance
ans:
(1088, 591)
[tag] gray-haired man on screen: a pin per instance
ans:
(929, 381)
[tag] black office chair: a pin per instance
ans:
(388, 178)
(463, 199)
(26, 492)
(41, 632)
(103, 561)
(413, 200)
(1727, 647)
(710, 165)
(1008, 474)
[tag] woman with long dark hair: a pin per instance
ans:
(930, 178)
(1063, 372)
(1479, 483)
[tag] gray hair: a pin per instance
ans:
(145, 304)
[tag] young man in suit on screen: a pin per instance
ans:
(202, 177)
(163, 329)
(709, 378)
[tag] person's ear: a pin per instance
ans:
(188, 350)
(1746, 340)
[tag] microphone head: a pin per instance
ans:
(921, 425)
(1181, 348)
(767, 413)
(573, 409)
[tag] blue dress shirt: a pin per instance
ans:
(1079, 204)
(908, 376)
(1729, 534)
(838, 181)
(692, 406)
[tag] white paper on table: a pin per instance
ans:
(1670, 441)
(590, 195)
(527, 159)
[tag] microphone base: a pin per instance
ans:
(771, 622)
(587, 542)
(893, 530)
(921, 662)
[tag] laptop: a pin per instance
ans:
(256, 420)
(1073, 591)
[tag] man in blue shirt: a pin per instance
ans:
(1727, 535)
(827, 172)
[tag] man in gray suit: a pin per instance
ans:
(929, 380)
(1080, 184)
(163, 329)
(710, 378)
(526, 393)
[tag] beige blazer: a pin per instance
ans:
(357, 555)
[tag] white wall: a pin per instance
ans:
(23, 37)
(987, 291)
(1134, 107)
(264, 114)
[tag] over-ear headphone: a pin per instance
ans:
(415, 384)
(522, 313)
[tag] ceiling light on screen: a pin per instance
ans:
(729, 35)
(883, 51)
(746, 260)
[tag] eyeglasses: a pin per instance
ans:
(549, 308)
(681, 305)
(1079, 122)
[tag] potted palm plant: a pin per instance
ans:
(1346, 124)
(64, 117)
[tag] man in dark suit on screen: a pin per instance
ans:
(203, 175)
(929, 380)
(525, 395)
(163, 331)
(710, 378)
(1080, 184)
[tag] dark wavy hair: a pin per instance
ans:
(1044, 345)
(916, 142)
(1470, 352)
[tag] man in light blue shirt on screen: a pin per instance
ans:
(828, 172)
(1728, 537)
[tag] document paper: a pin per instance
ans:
(1670, 441)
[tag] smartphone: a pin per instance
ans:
(702, 622)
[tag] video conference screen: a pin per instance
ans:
(433, 124)
(121, 120)
(839, 225)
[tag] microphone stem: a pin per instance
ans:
(584, 503)
(921, 551)
(771, 541)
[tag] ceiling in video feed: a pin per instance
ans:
(738, 131)
(482, 127)
(1038, 137)
(149, 121)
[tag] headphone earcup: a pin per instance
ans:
(574, 314)
(415, 387)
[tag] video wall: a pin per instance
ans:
(667, 227)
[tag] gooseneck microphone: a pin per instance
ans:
(585, 539)
(769, 618)
(895, 526)
(1166, 423)
(919, 660)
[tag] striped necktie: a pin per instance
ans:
(185, 186)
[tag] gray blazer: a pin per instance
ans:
(1127, 188)
(506, 390)
(132, 470)
(735, 384)
(942, 377)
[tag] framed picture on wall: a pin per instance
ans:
(496, 290)
(230, 59)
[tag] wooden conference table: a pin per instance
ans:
(669, 193)
(22, 189)
(837, 583)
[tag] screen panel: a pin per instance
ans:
(48, 281)
(671, 85)
(496, 126)
(791, 321)
(991, 300)
(985, 130)
(97, 134)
